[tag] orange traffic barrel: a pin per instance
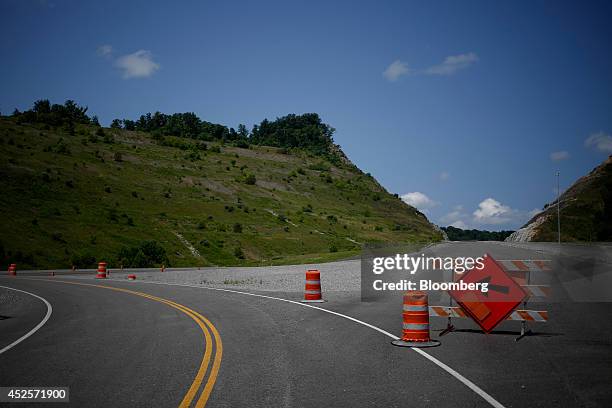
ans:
(415, 325)
(312, 289)
(101, 270)
(12, 270)
(131, 277)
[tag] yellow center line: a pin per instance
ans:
(204, 325)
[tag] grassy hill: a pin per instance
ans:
(586, 211)
(80, 193)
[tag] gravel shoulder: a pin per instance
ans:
(342, 276)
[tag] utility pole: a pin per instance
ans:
(558, 210)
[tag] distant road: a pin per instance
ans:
(116, 348)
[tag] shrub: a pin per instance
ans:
(145, 255)
(242, 144)
(320, 166)
(83, 260)
(250, 179)
(118, 157)
(333, 248)
(237, 228)
(238, 253)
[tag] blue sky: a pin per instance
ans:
(456, 105)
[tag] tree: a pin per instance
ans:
(305, 131)
(42, 106)
(242, 131)
(129, 124)
(94, 121)
(116, 124)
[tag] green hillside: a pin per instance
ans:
(75, 193)
(586, 210)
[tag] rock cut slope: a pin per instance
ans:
(585, 207)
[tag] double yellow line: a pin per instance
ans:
(207, 328)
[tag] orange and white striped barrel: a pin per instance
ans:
(101, 270)
(415, 321)
(12, 270)
(312, 288)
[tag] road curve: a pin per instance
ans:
(126, 338)
(108, 348)
(280, 354)
(40, 324)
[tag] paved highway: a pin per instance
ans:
(152, 344)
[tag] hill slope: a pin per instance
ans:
(586, 211)
(82, 194)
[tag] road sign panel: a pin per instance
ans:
(489, 308)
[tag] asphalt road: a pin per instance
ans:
(116, 348)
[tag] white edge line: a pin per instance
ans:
(479, 391)
(38, 326)
(483, 394)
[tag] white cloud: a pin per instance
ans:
(105, 50)
(558, 156)
(491, 211)
(456, 218)
(459, 224)
(396, 70)
(600, 141)
(444, 176)
(452, 64)
(418, 200)
(137, 65)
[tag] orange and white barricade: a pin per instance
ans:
(520, 271)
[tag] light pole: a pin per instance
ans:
(558, 210)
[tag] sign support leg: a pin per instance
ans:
(525, 331)
(449, 322)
